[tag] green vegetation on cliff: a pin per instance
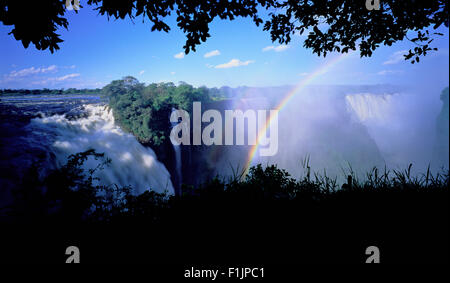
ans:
(144, 110)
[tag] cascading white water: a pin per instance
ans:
(131, 163)
(367, 106)
(177, 150)
(338, 127)
(402, 125)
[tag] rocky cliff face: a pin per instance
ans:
(441, 147)
(200, 163)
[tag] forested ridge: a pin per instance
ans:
(144, 109)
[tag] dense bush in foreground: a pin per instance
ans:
(72, 192)
(265, 217)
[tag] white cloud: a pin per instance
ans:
(55, 80)
(141, 72)
(234, 63)
(62, 78)
(32, 71)
(212, 53)
(52, 68)
(66, 77)
(388, 72)
(303, 74)
(172, 73)
(278, 48)
(24, 72)
(179, 55)
(395, 58)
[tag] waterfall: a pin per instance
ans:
(367, 106)
(132, 164)
(401, 124)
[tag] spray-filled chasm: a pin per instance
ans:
(339, 130)
(336, 129)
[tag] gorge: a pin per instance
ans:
(332, 127)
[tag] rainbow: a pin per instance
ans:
(295, 90)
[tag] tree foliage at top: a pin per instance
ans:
(350, 26)
(338, 25)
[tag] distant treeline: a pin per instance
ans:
(10, 92)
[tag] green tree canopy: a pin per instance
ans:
(144, 110)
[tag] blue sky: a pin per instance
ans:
(96, 51)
